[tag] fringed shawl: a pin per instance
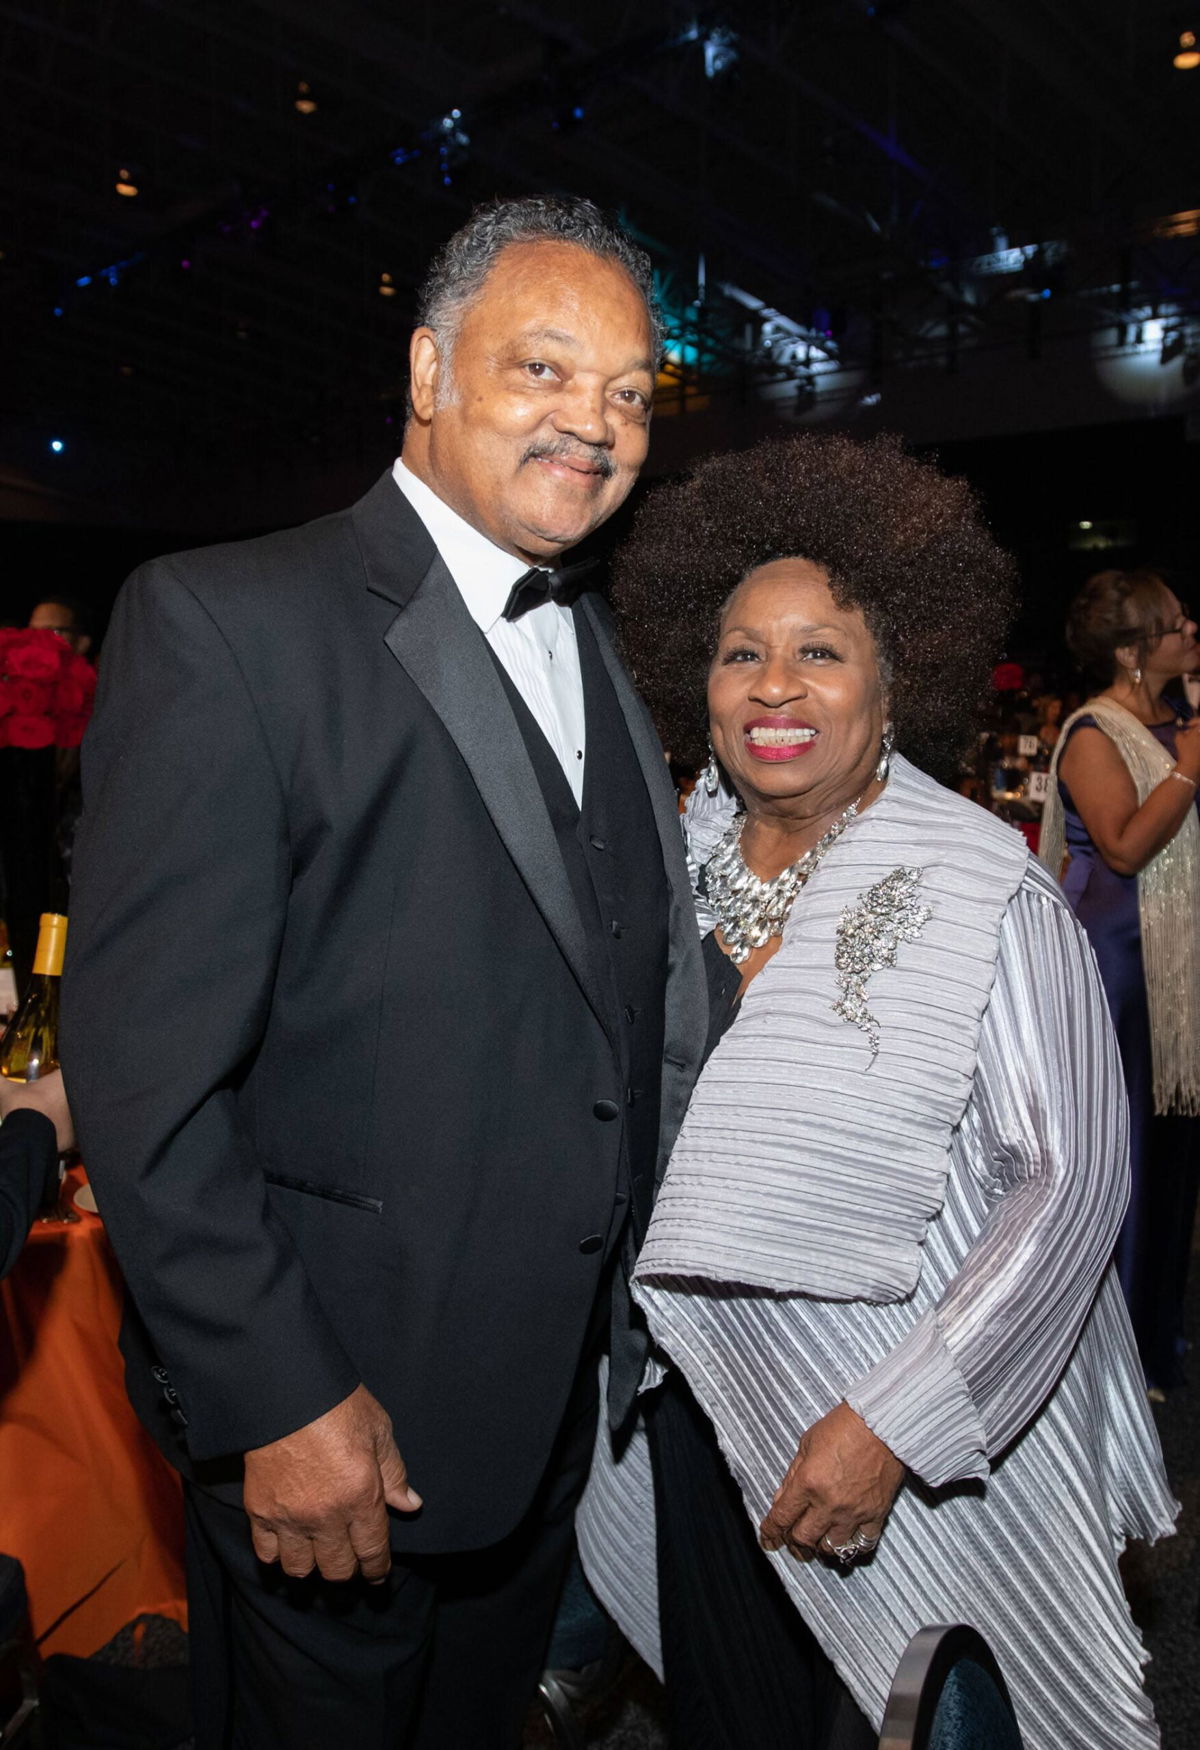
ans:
(1168, 907)
(850, 1225)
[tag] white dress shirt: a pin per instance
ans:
(539, 651)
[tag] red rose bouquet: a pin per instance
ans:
(46, 691)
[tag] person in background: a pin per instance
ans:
(36, 1129)
(1122, 806)
(68, 617)
(1050, 711)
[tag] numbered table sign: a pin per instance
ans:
(1029, 747)
(1039, 787)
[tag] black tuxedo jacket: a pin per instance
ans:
(329, 1023)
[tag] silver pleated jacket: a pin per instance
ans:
(924, 1230)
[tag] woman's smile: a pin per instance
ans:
(779, 738)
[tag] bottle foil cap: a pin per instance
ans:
(52, 944)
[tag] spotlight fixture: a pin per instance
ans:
(720, 51)
(305, 102)
(453, 143)
(386, 288)
(1187, 55)
(125, 184)
(57, 445)
(719, 46)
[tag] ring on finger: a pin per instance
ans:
(845, 1552)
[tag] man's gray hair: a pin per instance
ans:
(457, 273)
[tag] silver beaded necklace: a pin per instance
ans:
(750, 911)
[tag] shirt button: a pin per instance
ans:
(592, 1243)
(578, 753)
(606, 1110)
(598, 844)
(631, 1013)
(615, 927)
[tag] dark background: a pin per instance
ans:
(975, 222)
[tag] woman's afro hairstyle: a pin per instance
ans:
(897, 539)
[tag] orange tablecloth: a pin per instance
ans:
(87, 1501)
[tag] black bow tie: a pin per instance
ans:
(537, 586)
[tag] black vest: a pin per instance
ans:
(613, 858)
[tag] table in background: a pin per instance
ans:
(87, 1502)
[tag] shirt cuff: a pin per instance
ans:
(917, 1402)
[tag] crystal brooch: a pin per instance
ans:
(869, 935)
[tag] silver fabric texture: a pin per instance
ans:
(733, 1208)
(1168, 906)
(1005, 1377)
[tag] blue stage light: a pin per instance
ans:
(720, 51)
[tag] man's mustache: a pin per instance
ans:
(595, 455)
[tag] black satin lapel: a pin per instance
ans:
(687, 991)
(444, 654)
(650, 755)
(397, 549)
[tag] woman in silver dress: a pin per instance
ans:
(894, 1381)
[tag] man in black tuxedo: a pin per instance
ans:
(382, 1007)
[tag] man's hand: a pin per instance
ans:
(47, 1096)
(318, 1498)
(842, 1480)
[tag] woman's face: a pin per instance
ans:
(1175, 652)
(795, 698)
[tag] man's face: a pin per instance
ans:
(57, 617)
(535, 429)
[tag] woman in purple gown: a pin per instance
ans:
(1124, 809)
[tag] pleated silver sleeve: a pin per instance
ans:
(1007, 1379)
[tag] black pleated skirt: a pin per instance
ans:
(742, 1670)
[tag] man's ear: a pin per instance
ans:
(424, 367)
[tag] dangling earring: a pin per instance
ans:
(710, 777)
(885, 753)
(1135, 675)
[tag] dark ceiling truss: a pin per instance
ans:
(845, 178)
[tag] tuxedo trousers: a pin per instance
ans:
(444, 1655)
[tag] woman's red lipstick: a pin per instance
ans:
(778, 738)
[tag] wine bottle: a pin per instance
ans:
(29, 1048)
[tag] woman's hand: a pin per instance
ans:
(842, 1482)
(1187, 749)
